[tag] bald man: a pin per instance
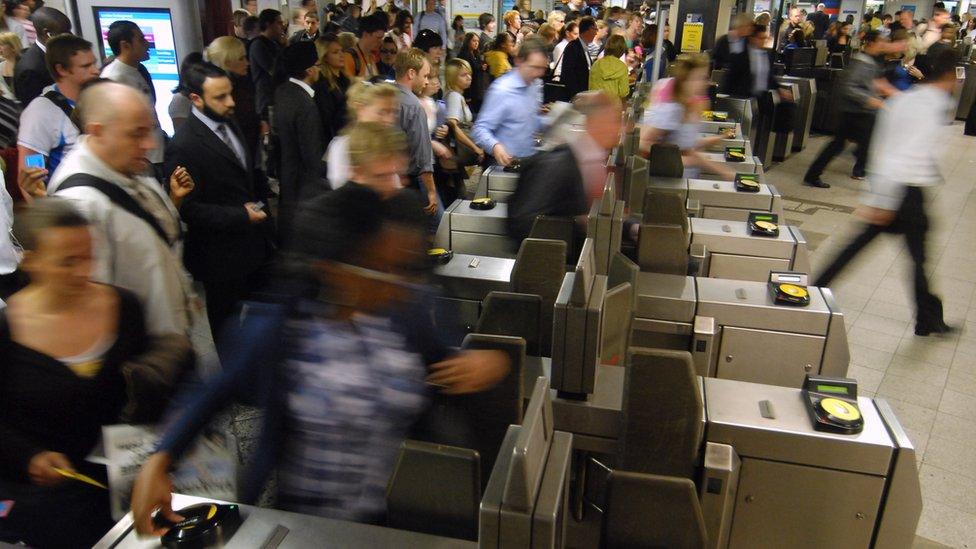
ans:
(139, 236)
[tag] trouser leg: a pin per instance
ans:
(828, 153)
(864, 129)
(868, 233)
(928, 307)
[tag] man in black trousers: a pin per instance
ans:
(229, 238)
(863, 85)
(298, 126)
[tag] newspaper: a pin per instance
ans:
(209, 469)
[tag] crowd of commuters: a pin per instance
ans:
(308, 166)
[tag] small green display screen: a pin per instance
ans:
(835, 389)
(762, 218)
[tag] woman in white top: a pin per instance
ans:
(457, 79)
(367, 103)
(8, 24)
(569, 33)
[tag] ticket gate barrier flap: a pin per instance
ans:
(783, 141)
(820, 488)
(805, 104)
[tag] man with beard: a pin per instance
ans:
(229, 236)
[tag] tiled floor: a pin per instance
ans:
(930, 381)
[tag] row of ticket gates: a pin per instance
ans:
(684, 390)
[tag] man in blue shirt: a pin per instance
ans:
(509, 117)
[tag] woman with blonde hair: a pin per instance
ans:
(227, 52)
(674, 115)
(367, 102)
(457, 79)
(556, 20)
(330, 89)
(10, 48)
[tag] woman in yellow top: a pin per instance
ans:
(609, 73)
(497, 56)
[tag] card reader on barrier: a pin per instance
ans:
(832, 403)
(469, 228)
(496, 183)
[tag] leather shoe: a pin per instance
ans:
(819, 183)
(940, 328)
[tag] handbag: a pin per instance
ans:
(463, 154)
(552, 89)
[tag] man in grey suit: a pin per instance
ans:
(296, 122)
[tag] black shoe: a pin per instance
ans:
(819, 183)
(940, 328)
(858, 177)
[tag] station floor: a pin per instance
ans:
(930, 381)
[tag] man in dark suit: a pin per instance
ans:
(732, 43)
(750, 72)
(576, 62)
(564, 182)
(298, 126)
(263, 53)
(229, 240)
(30, 74)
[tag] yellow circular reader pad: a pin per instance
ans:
(841, 410)
(793, 290)
(768, 225)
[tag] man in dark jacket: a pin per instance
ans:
(311, 31)
(565, 181)
(750, 72)
(30, 74)
(576, 63)
(297, 124)
(820, 21)
(732, 43)
(860, 98)
(229, 237)
(262, 53)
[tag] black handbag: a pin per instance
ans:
(552, 89)
(464, 155)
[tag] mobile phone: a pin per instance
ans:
(34, 161)
(257, 206)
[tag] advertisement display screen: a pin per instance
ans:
(163, 63)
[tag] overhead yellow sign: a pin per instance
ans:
(691, 37)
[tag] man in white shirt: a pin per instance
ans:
(9, 252)
(45, 125)
(130, 48)
(909, 136)
(135, 222)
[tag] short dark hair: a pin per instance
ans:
(484, 19)
(198, 73)
(250, 24)
(42, 215)
(427, 40)
(586, 24)
(267, 18)
(941, 61)
(758, 29)
(121, 31)
(871, 37)
(61, 49)
(377, 21)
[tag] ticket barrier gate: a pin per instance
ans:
(737, 158)
(702, 198)
(968, 93)
(496, 183)
(467, 230)
(741, 330)
(783, 140)
(805, 103)
(527, 285)
(525, 504)
(670, 242)
(741, 110)
(751, 449)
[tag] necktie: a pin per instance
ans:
(225, 137)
